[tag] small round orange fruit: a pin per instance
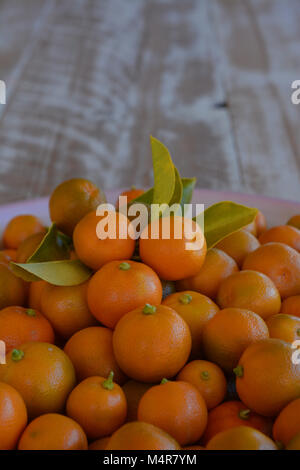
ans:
(151, 343)
(124, 286)
(283, 326)
(8, 255)
(294, 221)
(241, 438)
(53, 432)
(282, 234)
(261, 223)
(35, 294)
(238, 245)
(131, 194)
(287, 423)
(20, 228)
(13, 416)
(291, 306)
(28, 247)
(294, 443)
(13, 290)
(99, 444)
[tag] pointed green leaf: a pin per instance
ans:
(178, 189)
(54, 246)
(164, 173)
(188, 186)
(58, 273)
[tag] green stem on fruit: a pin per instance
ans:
(164, 381)
(124, 266)
(17, 355)
(31, 312)
(204, 375)
(239, 371)
(185, 299)
(149, 309)
(108, 383)
(244, 414)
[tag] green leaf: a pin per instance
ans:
(224, 218)
(178, 189)
(54, 246)
(145, 198)
(164, 173)
(58, 273)
(188, 186)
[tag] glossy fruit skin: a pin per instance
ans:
(28, 247)
(35, 294)
(232, 414)
(238, 245)
(294, 444)
(279, 262)
(44, 377)
(267, 380)
(216, 267)
(19, 325)
(53, 431)
(141, 436)
(241, 438)
(133, 392)
(131, 194)
(98, 410)
(95, 252)
(122, 290)
(196, 309)
(287, 423)
(99, 444)
(282, 234)
(285, 327)
(229, 333)
(149, 347)
(209, 380)
(19, 228)
(13, 416)
(261, 223)
(66, 308)
(176, 407)
(294, 221)
(71, 201)
(169, 257)
(13, 290)
(251, 290)
(291, 306)
(91, 353)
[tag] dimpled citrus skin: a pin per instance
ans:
(291, 306)
(241, 438)
(238, 245)
(176, 407)
(149, 347)
(283, 326)
(44, 376)
(250, 290)
(53, 431)
(141, 436)
(283, 234)
(13, 416)
(267, 379)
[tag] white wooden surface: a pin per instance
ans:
(89, 80)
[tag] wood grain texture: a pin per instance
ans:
(89, 80)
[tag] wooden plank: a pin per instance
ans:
(257, 41)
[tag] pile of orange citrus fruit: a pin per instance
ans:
(159, 347)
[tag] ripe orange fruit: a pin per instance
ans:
(53, 432)
(266, 377)
(209, 380)
(196, 309)
(279, 262)
(95, 252)
(100, 444)
(169, 257)
(28, 246)
(294, 221)
(42, 373)
(238, 245)
(91, 353)
(216, 267)
(98, 405)
(13, 290)
(124, 286)
(241, 438)
(71, 201)
(176, 407)
(133, 392)
(13, 416)
(8, 255)
(283, 326)
(151, 343)
(19, 325)
(294, 444)
(251, 228)
(231, 414)
(141, 436)
(229, 333)
(66, 308)
(291, 306)
(35, 293)
(287, 423)
(282, 234)
(131, 194)
(20, 228)
(251, 290)
(261, 223)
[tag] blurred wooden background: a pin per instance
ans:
(89, 80)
